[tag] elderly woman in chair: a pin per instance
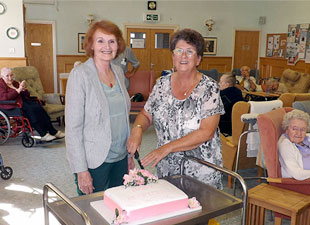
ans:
(294, 145)
(10, 89)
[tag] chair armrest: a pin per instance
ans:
(287, 181)
(225, 140)
(52, 98)
(10, 102)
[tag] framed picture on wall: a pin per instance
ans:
(81, 37)
(211, 44)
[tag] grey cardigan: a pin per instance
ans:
(88, 131)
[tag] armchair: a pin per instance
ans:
(230, 143)
(289, 98)
(270, 129)
(53, 101)
(142, 82)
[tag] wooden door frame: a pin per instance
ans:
(149, 26)
(53, 23)
(259, 44)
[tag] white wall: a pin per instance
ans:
(70, 17)
(13, 17)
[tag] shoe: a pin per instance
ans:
(60, 134)
(47, 137)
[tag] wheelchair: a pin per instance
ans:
(6, 172)
(13, 124)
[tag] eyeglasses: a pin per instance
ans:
(302, 130)
(179, 52)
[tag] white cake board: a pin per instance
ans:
(109, 216)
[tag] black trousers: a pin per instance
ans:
(38, 117)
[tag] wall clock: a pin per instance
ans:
(151, 5)
(12, 32)
(2, 8)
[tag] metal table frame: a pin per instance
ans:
(79, 207)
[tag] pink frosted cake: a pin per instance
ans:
(139, 202)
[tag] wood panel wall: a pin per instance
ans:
(274, 67)
(221, 63)
(12, 62)
(65, 63)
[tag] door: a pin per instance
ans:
(39, 52)
(151, 47)
(246, 49)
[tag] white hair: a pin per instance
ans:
(5, 71)
(295, 114)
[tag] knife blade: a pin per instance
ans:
(137, 157)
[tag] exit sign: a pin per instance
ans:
(151, 17)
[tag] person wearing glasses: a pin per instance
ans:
(185, 108)
(294, 145)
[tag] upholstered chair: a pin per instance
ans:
(302, 105)
(270, 129)
(53, 104)
(289, 98)
(142, 82)
(295, 81)
(230, 143)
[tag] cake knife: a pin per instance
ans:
(138, 160)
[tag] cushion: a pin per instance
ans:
(295, 82)
(291, 75)
(31, 75)
(211, 73)
(302, 105)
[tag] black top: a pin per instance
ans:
(229, 97)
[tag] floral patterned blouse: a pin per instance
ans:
(174, 119)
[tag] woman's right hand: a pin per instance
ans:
(134, 140)
(85, 182)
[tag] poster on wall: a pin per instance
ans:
(298, 43)
(276, 45)
(270, 46)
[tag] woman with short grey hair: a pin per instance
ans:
(294, 145)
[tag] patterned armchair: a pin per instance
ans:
(53, 102)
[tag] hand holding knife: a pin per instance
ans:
(138, 160)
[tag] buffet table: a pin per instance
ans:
(214, 203)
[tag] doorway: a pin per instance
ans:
(151, 46)
(40, 45)
(246, 52)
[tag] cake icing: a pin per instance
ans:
(144, 201)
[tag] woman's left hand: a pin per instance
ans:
(155, 156)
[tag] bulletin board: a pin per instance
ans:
(276, 45)
(298, 43)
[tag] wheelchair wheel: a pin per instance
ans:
(5, 128)
(7, 173)
(27, 141)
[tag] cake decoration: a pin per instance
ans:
(121, 218)
(193, 203)
(139, 177)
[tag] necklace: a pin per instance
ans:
(185, 93)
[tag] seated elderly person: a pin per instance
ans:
(229, 95)
(245, 81)
(294, 145)
(274, 86)
(32, 110)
